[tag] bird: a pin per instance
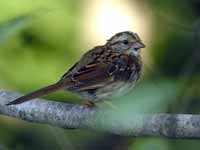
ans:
(102, 73)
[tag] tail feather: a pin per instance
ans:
(41, 92)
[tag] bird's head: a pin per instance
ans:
(126, 42)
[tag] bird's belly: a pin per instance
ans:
(110, 91)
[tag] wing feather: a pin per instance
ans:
(90, 77)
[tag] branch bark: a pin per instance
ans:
(108, 120)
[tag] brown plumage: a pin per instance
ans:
(103, 72)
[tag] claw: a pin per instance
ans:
(89, 103)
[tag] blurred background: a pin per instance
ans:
(40, 40)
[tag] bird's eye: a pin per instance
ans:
(126, 42)
(136, 49)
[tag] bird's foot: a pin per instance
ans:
(89, 103)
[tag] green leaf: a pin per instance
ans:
(13, 26)
(150, 144)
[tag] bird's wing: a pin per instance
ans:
(90, 72)
(91, 76)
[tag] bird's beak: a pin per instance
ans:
(139, 45)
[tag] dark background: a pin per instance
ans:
(40, 40)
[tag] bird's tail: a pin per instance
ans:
(41, 92)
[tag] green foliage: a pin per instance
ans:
(150, 144)
(12, 27)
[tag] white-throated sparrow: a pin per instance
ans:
(101, 73)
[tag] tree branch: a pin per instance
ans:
(109, 120)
